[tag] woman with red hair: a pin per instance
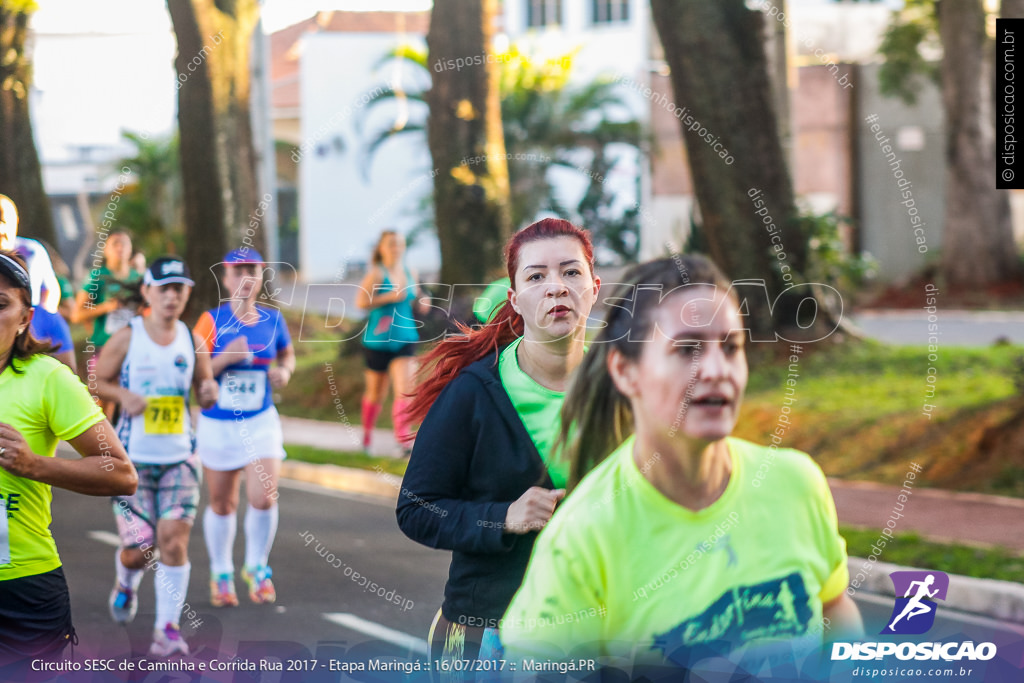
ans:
(482, 479)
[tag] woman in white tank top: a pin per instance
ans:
(149, 367)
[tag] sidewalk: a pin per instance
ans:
(939, 515)
(337, 436)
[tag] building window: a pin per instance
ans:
(543, 13)
(610, 11)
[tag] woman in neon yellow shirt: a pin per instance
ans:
(41, 402)
(679, 544)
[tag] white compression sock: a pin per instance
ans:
(127, 577)
(260, 529)
(219, 532)
(170, 583)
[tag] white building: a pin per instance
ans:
(323, 70)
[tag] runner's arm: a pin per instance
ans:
(367, 299)
(108, 369)
(205, 385)
(844, 619)
(103, 469)
(84, 310)
(113, 475)
(280, 375)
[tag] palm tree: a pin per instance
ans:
(21, 177)
(152, 208)
(547, 123)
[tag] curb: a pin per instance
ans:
(347, 479)
(1000, 600)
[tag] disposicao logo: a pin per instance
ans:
(914, 613)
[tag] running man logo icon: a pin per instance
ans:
(914, 612)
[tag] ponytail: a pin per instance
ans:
(453, 354)
(603, 416)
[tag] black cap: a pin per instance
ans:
(15, 271)
(168, 270)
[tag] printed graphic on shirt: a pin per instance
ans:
(772, 609)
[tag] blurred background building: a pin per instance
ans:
(334, 198)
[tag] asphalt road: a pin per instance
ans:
(319, 608)
(951, 328)
(321, 613)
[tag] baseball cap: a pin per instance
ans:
(15, 271)
(243, 255)
(168, 270)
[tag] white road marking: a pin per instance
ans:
(375, 630)
(106, 537)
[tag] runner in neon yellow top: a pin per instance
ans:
(46, 404)
(41, 402)
(737, 587)
(683, 543)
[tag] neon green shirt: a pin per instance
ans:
(496, 293)
(101, 286)
(46, 403)
(538, 408)
(621, 562)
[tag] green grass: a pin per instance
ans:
(910, 550)
(858, 412)
(318, 456)
(871, 380)
(858, 408)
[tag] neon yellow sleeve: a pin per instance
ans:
(831, 543)
(557, 611)
(70, 409)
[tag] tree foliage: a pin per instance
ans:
(20, 173)
(911, 34)
(547, 123)
(152, 206)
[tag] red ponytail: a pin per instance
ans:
(452, 355)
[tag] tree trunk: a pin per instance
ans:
(471, 200)
(723, 98)
(218, 158)
(977, 247)
(20, 175)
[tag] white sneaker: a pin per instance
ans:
(123, 604)
(168, 641)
